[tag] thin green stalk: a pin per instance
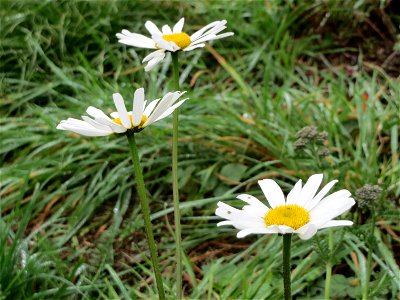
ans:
(146, 214)
(329, 266)
(175, 188)
(369, 259)
(287, 238)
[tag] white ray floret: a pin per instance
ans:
(304, 211)
(99, 124)
(172, 40)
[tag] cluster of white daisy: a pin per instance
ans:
(303, 212)
(164, 40)
(311, 213)
(142, 115)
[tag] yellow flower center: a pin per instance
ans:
(182, 40)
(144, 119)
(291, 215)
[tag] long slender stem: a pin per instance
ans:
(369, 259)
(175, 188)
(146, 214)
(287, 238)
(329, 266)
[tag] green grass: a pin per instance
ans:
(70, 223)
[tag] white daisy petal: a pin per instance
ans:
(163, 44)
(200, 32)
(153, 62)
(238, 216)
(212, 37)
(205, 38)
(253, 201)
(223, 223)
(166, 29)
(138, 106)
(152, 55)
(212, 33)
(326, 211)
(122, 112)
(178, 26)
(283, 229)
(135, 39)
(102, 118)
(171, 109)
(114, 126)
(60, 127)
(114, 115)
(84, 131)
(164, 104)
(96, 113)
(256, 212)
(223, 35)
(294, 194)
(216, 29)
(247, 231)
(228, 212)
(314, 201)
(272, 192)
(152, 28)
(148, 110)
(307, 231)
(309, 189)
(76, 122)
(336, 195)
(191, 47)
(241, 224)
(96, 124)
(160, 108)
(335, 223)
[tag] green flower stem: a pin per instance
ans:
(146, 214)
(369, 259)
(287, 238)
(175, 188)
(328, 275)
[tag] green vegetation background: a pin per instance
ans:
(70, 226)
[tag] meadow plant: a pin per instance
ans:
(173, 40)
(303, 212)
(69, 223)
(130, 123)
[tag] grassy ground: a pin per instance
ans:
(70, 225)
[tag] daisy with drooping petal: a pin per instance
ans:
(172, 40)
(303, 212)
(122, 121)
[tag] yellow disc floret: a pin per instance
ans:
(144, 119)
(182, 40)
(291, 215)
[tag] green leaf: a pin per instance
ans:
(233, 172)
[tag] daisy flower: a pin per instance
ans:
(122, 121)
(303, 212)
(172, 40)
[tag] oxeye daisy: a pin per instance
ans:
(172, 40)
(123, 121)
(303, 212)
